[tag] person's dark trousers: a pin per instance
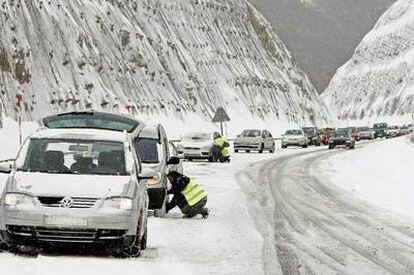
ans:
(198, 208)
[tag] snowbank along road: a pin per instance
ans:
(319, 229)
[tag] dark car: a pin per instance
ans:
(313, 136)
(341, 138)
(380, 130)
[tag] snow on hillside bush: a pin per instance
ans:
(377, 83)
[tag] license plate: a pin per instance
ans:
(58, 220)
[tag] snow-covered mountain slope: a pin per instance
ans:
(176, 57)
(377, 83)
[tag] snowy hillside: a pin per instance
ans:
(175, 57)
(378, 81)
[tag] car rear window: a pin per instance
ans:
(94, 121)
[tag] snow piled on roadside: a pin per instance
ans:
(380, 173)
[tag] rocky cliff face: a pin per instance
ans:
(378, 81)
(179, 56)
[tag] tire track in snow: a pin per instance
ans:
(317, 229)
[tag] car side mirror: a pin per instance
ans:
(6, 166)
(173, 161)
(238, 136)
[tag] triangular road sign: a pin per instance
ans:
(220, 116)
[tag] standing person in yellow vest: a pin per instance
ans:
(188, 196)
(223, 144)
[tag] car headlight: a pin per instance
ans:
(118, 203)
(16, 199)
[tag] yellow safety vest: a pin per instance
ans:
(224, 150)
(193, 193)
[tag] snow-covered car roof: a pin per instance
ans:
(81, 134)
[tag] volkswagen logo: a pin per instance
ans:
(66, 202)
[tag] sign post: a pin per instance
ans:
(19, 100)
(219, 117)
(412, 123)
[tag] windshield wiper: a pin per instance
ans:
(50, 171)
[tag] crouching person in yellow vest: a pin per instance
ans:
(222, 144)
(188, 196)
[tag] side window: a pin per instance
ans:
(270, 135)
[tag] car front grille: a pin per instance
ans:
(54, 234)
(192, 148)
(77, 202)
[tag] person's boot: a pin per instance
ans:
(205, 213)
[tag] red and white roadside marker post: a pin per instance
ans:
(19, 101)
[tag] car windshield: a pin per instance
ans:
(251, 133)
(309, 130)
(363, 129)
(149, 150)
(380, 126)
(293, 132)
(340, 133)
(197, 137)
(62, 156)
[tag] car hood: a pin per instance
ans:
(196, 144)
(92, 186)
(340, 138)
(247, 139)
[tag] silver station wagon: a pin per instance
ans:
(76, 186)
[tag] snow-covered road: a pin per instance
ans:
(270, 214)
(226, 243)
(321, 229)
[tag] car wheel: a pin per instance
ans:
(161, 212)
(284, 146)
(236, 151)
(133, 250)
(247, 151)
(4, 246)
(305, 146)
(331, 146)
(272, 151)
